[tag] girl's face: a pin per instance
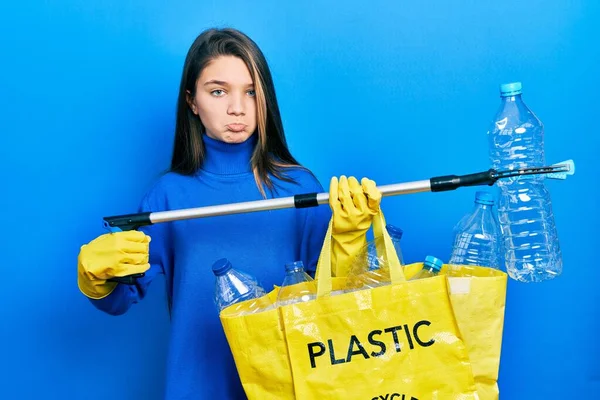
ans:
(225, 100)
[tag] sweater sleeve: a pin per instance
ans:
(316, 221)
(121, 299)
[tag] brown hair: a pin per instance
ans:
(271, 154)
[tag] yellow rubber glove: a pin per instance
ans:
(353, 206)
(108, 256)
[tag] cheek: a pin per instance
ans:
(251, 107)
(209, 112)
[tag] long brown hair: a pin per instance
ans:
(271, 154)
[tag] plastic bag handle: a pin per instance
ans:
(387, 249)
(323, 273)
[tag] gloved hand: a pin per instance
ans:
(111, 255)
(353, 206)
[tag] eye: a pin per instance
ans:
(251, 93)
(217, 92)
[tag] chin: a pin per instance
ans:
(236, 137)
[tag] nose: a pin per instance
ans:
(236, 105)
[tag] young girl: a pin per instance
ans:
(229, 147)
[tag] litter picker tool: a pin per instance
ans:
(435, 184)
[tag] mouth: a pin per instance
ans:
(236, 127)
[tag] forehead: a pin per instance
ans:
(228, 69)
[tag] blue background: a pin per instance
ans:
(396, 91)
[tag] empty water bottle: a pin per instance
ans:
(396, 234)
(297, 285)
(431, 267)
(233, 286)
(516, 139)
(476, 236)
(374, 260)
(370, 267)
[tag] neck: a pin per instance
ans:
(228, 158)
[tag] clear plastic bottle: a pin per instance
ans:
(396, 234)
(375, 260)
(370, 268)
(477, 236)
(233, 286)
(516, 140)
(297, 285)
(431, 267)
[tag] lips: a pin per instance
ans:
(236, 127)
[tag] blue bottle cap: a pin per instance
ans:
(291, 266)
(484, 198)
(510, 89)
(433, 262)
(220, 267)
(394, 231)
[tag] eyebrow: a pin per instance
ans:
(222, 83)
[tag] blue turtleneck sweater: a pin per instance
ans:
(200, 365)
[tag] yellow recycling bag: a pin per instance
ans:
(479, 302)
(259, 347)
(478, 298)
(395, 341)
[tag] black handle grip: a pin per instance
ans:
(126, 280)
(451, 182)
(306, 200)
(127, 222)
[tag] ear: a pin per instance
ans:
(190, 101)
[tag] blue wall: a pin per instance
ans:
(396, 91)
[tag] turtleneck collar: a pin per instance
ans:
(227, 158)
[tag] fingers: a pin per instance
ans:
(373, 194)
(115, 254)
(345, 195)
(125, 242)
(128, 269)
(134, 258)
(119, 270)
(334, 200)
(348, 195)
(134, 236)
(133, 248)
(127, 246)
(358, 196)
